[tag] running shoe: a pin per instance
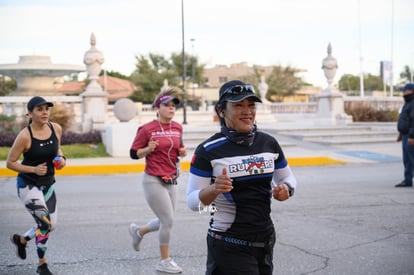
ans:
(43, 270)
(20, 248)
(136, 240)
(168, 266)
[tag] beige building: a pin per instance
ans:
(216, 76)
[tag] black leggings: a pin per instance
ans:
(229, 258)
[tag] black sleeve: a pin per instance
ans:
(410, 116)
(133, 154)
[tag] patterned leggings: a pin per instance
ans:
(41, 204)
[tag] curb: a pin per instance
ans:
(102, 169)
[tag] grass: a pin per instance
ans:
(72, 151)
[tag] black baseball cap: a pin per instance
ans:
(37, 101)
(237, 90)
(409, 86)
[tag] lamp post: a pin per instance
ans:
(412, 67)
(192, 69)
(361, 72)
(183, 61)
(392, 50)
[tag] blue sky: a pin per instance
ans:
(265, 32)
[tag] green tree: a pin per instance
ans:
(282, 82)
(349, 82)
(373, 83)
(190, 61)
(406, 74)
(149, 76)
(114, 74)
(7, 86)
(153, 69)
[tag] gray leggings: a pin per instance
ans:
(161, 198)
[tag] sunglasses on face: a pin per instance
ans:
(238, 89)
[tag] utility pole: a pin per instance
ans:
(361, 72)
(392, 50)
(183, 61)
(192, 69)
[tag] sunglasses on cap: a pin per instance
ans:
(238, 89)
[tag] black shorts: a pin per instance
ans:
(225, 257)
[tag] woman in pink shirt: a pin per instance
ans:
(160, 142)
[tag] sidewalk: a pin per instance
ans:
(298, 153)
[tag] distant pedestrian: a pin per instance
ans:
(160, 143)
(236, 172)
(39, 143)
(406, 135)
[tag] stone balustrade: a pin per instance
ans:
(293, 107)
(16, 105)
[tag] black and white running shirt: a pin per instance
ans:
(246, 209)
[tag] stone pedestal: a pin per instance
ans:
(263, 88)
(94, 108)
(331, 108)
(118, 138)
(95, 100)
(331, 101)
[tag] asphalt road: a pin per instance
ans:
(343, 219)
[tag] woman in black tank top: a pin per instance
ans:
(39, 143)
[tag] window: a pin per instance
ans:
(222, 79)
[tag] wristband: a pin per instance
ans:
(290, 189)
